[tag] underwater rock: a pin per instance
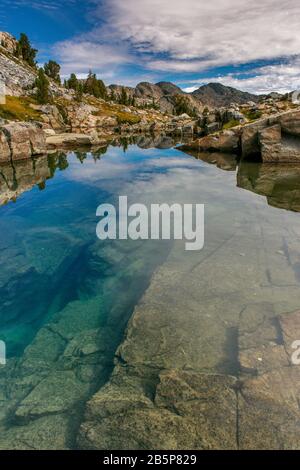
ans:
(45, 399)
(269, 415)
(46, 433)
(188, 411)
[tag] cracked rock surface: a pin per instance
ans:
(206, 360)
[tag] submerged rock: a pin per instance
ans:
(71, 356)
(269, 415)
(203, 364)
(187, 410)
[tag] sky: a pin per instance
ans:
(253, 45)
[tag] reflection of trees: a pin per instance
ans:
(42, 186)
(97, 154)
(124, 142)
(57, 161)
(81, 156)
(62, 162)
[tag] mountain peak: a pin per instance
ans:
(169, 88)
(216, 94)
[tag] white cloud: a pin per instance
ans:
(281, 78)
(196, 34)
(80, 56)
(191, 36)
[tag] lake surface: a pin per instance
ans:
(67, 297)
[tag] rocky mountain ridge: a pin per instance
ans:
(165, 94)
(218, 95)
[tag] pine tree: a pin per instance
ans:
(123, 97)
(112, 96)
(79, 92)
(72, 82)
(25, 51)
(94, 87)
(52, 70)
(42, 85)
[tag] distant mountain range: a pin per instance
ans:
(168, 96)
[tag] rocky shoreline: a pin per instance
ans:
(272, 139)
(23, 140)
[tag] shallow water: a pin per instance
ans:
(66, 297)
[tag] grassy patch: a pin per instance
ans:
(18, 109)
(127, 118)
(114, 110)
(252, 115)
(231, 123)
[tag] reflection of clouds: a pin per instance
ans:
(91, 172)
(116, 168)
(183, 185)
(158, 176)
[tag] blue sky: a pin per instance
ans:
(254, 46)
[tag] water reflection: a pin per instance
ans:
(280, 183)
(19, 177)
(225, 161)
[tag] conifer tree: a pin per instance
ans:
(25, 51)
(72, 82)
(123, 97)
(42, 85)
(52, 70)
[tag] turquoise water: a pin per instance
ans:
(66, 297)
(48, 237)
(50, 255)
